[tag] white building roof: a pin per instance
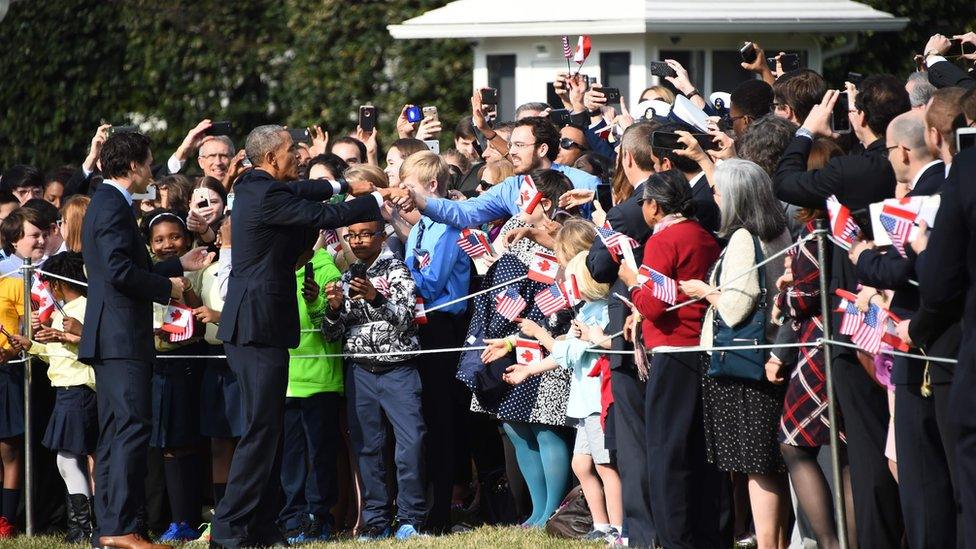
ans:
(509, 18)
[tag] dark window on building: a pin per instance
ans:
(615, 71)
(501, 76)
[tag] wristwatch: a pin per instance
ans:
(803, 132)
(693, 93)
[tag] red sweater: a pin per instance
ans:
(683, 251)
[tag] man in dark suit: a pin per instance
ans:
(942, 72)
(275, 224)
(118, 336)
(946, 270)
(857, 181)
(628, 389)
(707, 210)
(924, 479)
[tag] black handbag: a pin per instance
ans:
(747, 363)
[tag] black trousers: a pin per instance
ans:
(308, 462)
(443, 401)
(685, 490)
(927, 501)
(864, 406)
(124, 426)
(631, 455)
(246, 515)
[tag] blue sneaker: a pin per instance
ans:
(406, 531)
(373, 534)
(179, 532)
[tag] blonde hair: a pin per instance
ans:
(369, 173)
(498, 170)
(426, 165)
(590, 289)
(664, 93)
(575, 236)
(73, 215)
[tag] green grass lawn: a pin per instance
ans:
(481, 537)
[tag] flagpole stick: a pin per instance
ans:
(28, 423)
(840, 511)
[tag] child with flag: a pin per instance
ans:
(578, 352)
(11, 403)
(442, 273)
(176, 381)
(372, 308)
(72, 431)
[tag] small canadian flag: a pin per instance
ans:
(571, 290)
(42, 299)
(544, 268)
(178, 322)
(419, 314)
(527, 351)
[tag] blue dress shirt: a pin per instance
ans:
(447, 275)
(498, 202)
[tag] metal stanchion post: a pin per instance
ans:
(840, 511)
(28, 430)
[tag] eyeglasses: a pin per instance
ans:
(349, 237)
(567, 143)
(519, 145)
(210, 157)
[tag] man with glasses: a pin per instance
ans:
(215, 155)
(534, 145)
(924, 458)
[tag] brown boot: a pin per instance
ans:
(129, 541)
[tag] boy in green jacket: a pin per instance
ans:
(311, 435)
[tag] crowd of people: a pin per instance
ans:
(341, 347)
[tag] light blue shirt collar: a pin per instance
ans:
(125, 192)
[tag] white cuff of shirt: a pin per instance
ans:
(933, 59)
(336, 187)
(379, 198)
(174, 165)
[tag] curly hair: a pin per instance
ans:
(765, 141)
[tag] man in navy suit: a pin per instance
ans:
(118, 336)
(275, 224)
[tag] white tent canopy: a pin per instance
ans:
(521, 18)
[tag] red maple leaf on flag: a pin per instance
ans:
(544, 265)
(175, 315)
(526, 356)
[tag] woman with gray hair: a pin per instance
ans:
(742, 410)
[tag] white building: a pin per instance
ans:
(517, 46)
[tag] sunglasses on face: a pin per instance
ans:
(567, 143)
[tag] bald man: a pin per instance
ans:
(923, 437)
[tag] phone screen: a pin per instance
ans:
(604, 195)
(309, 271)
(219, 128)
(965, 138)
(840, 122)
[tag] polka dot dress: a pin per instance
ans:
(539, 399)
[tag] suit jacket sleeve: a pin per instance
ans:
(78, 183)
(945, 74)
(792, 182)
(599, 261)
(928, 324)
(318, 190)
(888, 271)
(281, 207)
(113, 242)
(942, 266)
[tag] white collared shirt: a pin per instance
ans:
(125, 192)
(694, 180)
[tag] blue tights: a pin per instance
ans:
(543, 457)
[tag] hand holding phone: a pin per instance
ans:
(200, 198)
(413, 114)
(219, 128)
(122, 129)
(662, 69)
(612, 95)
(748, 53)
(367, 118)
(840, 121)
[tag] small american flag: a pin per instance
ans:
(474, 243)
(869, 333)
(510, 303)
(615, 241)
(551, 300)
(897, 222)
(842, 225)
(423, 258)
(663, 287)
(852, 316)
(567, 51)
(332, 243)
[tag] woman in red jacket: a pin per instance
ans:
(684, 489)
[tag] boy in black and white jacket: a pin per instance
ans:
(375, 314)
